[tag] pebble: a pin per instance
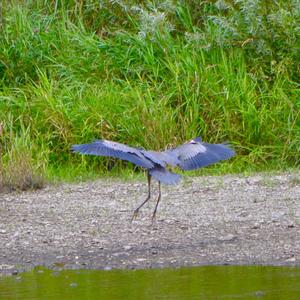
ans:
(73, 284)
(184, 227)
(291, 259)
(259, 293)
(256, 226)
(6, 267)
(228, 238)
(141, 259)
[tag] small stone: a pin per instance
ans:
(141, 259)
(96, 241)
(255, 226)
(107, 268)
(6, 267)
(291, 225)
(243, 214)
(167, 221)
(3, 231)
(73, 284)
(127, 248)
(227, 238)
(259, 293)
(183, 227)
(291, 259)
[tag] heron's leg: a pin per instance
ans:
(136, 211)
(158, 199)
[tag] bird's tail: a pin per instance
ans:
(164, 176)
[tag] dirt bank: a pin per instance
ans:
(204, 220)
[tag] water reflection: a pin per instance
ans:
(211, 282)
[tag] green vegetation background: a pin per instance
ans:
(150, 74)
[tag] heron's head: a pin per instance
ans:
(196, 140)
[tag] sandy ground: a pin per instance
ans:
(203, 220)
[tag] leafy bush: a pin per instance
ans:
(150, 74)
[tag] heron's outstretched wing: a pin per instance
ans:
(196, 154)
(114, 149)
(163, 175)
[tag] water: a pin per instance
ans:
(211, 282)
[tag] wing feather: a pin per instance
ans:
(196, 154)
(114, 149)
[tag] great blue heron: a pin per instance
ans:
(192, 155)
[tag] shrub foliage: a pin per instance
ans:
(150, 74)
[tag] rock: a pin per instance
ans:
(141, 259)
(255, 226)
(73, 284)
(228, 238)
(259, 293)
(183, 227)
(6, 267)
(291, 259)
(244, 214)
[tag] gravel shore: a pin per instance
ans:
(203, 220)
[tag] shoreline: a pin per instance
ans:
(206, 220)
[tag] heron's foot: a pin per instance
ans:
(153, 218)
(135, 214)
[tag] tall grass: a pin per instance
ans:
(151, 75)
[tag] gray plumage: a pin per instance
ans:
(189, 156)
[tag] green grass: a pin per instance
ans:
(149, 75)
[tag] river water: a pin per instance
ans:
(208, 282)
